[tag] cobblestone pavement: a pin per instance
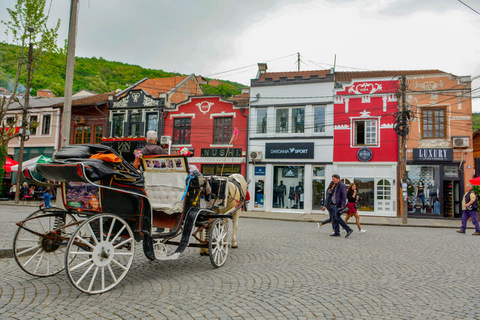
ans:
(282, 270)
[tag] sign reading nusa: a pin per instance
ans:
(300, 150)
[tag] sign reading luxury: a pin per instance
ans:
(432, 154)
(300, 150)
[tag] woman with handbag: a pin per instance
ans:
(352, 198)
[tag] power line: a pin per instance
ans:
(469, 7)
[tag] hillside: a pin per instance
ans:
(95, 74)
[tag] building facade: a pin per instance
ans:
(290, 142)
(43, 128)
(365, 144)
(213, 129)
(439, 147)
(89, 118)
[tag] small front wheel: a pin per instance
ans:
(100, 253)
(218, 242)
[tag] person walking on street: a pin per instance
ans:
(352, 198)
(328, 206)
(339, 200)
(469, 207)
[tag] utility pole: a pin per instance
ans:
(26, 105)
(67, 104)
(298, 61)
(403, 151)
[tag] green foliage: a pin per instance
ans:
(475, 121)
(476, 189)
(223, 89)
(94, 74)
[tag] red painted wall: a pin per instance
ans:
(379, 93)
(202, 123)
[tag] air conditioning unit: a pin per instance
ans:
(80, 120)
(461, 142)
(165, 139)
(256, 155)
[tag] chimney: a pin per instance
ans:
(262, 68)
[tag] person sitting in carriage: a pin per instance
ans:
(151, 148)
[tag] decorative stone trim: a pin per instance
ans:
(434, 143)
(341, 127)
(386, 126)
(182, 115)
(460, 118)
(223, 114)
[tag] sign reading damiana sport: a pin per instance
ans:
(289, 150)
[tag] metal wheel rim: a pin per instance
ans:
(218, 243)
(37, 255)
(100, 253)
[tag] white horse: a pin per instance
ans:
(237, 190)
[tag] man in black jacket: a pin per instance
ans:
(339, 201)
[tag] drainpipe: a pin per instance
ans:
(257, 96)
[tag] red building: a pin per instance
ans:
(365, 144)
(205, 125)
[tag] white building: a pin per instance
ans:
(290, 141)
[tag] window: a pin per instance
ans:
(10, 121)
(32, 125)
(288, 187)
(212, 169)
(298, 120)
(98, 134)
(319, 119)
(117, 125)
(281, 120)
(222, 130)
(384, 190)
(318, 188)
(261, 120)
(135, 121)
(433, 123)
(365, 190)
(46, 124)
(365, 132)
(82, 134)
(182, 130)
(152, 122)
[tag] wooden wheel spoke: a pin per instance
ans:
(82, 264)
(85, 274)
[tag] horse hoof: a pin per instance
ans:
(235, 246)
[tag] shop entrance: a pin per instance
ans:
(451, 199)
(259, 193)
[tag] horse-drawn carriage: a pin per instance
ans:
(105, 206)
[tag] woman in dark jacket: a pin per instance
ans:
(328, 205)
(352, 211)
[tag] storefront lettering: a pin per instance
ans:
(433, 154)
(279, 150)
(222, 152)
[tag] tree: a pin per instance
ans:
(27, 28)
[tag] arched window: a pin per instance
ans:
(345, 181)
(384, 190)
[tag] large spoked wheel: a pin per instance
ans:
(40, 242)
(218, 242)
(100, 253)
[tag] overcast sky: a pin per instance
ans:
(210, 37)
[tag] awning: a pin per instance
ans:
(9, 163)
(32, 163)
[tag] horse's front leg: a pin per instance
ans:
(236, 216)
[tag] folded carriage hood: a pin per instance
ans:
(65, 166)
